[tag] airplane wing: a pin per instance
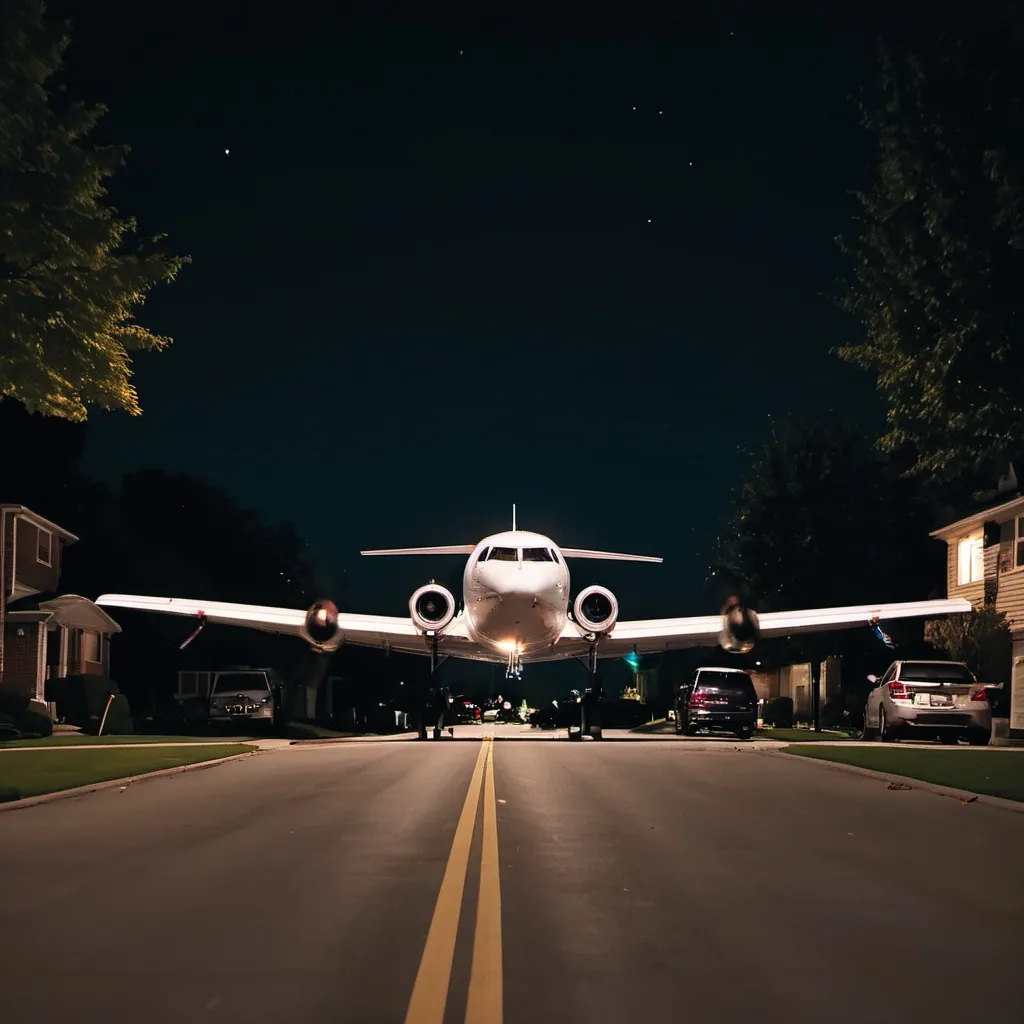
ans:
(387, 632)
(650, 635)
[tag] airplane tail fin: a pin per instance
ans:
(610, 556)
(450, 549)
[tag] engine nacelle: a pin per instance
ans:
(596, 609)
(740, 628)
(432, 608)
(320, 628)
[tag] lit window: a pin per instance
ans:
(971, 559)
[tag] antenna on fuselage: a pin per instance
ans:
(513, 517)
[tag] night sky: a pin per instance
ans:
(440, 266)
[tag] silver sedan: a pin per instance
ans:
(928, 699)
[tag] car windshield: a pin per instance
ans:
(935, 672)
(239, 682)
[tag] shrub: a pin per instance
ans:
(119, 718)
(778, 712)
(12, 701)
(31, 724)
(9, 731)
(82, 698)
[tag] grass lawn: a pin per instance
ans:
(80, 739)
(802, 735)
(31, 773)
(995, 772)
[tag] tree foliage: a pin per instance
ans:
(981, 638)
(823, 519)
(939, 261)
(69, 286)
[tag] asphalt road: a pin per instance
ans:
(601, 882)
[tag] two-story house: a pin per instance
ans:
(43, 635)
(985, 565)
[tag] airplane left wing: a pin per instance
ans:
(387, 632)
(650, 635)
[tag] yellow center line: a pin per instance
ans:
(484, 1005)
(430, 991)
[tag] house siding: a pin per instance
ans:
(29, 571)
(7, 562)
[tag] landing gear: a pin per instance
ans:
(433, 709)
(514, 666)
(590, 701)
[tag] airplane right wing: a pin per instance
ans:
(646, 636)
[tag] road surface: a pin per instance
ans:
(596, 882)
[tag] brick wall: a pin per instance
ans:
(20, 653)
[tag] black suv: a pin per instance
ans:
(717, 698)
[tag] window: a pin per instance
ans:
(970, 557)
(90, 646)
(1018, 542)
(44, 552)
(537, 555)
(502, 555)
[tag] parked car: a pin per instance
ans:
(928, 699)
(717, 699)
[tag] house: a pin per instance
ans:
(985, 565)
(43, 635)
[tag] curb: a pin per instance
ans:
(965, 796)
(94, 787)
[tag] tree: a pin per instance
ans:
(823, 519)
(68, 287)
(940, 255)
(981, 638)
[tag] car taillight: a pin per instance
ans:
(698, 698)
(898, 691)
(979, 694)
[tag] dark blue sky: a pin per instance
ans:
(426, 284)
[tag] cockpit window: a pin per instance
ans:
(537, 555)
(502, 555)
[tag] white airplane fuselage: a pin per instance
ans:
(515, 593)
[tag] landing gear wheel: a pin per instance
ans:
(437, 732)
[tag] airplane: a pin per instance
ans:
(517, 609)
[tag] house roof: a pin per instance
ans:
(65, 535)
(65, 610)
(997, 514)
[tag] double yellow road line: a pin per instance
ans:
(430, 992)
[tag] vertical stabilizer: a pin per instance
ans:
(513, 517)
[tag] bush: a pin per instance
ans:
(834, 715)
(32, 724)
(119, 720)
(80, 699)
(778, 712)
(9, 731)
(12, 701)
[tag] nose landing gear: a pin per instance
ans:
(514, 666)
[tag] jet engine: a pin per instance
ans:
(596, 609)
(320, 628)
(432, 608)
(740, 628)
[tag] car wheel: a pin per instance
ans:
(679, 726)
(978, 737)
(691, 729)
(885, 733)
(744, 734)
